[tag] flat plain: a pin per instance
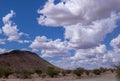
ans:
(104, 77)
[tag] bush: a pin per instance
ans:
(24, 74)
(39, 72)
(118, 71)
(87, 72)
(5, 72)
(118, 74)
(79, 71)
(96, 71)
(102, 70)
(68, 71)
(52, 71)
(64, 73)
(43, 75)
(112, 70)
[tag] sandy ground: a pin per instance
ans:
(108, 77)
(105, 77)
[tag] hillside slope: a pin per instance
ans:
(23, 60)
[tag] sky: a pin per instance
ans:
(67, 33)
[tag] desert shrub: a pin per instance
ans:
(5, 72)
(43, 75)
(39, 72)
(87, 72)
(79, 71)
(68, 71)
(102, 70)
(112, 70)
(117, 71)
(64, 73)
(52, 71)
(118, 74)
(24, 74)
(97, 71)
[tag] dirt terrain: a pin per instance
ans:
(105, 77)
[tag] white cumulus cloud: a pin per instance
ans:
(84, 54)
(115, 43)
(87, 36)
(10, 29)
(86, 23)
(71, 12)
(50, 48)
(3, 50)
(89, 58)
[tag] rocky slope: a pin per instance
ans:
(23, 60)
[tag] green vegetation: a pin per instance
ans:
(24, 74)
(5, 72)
(118, 71)
(87, 72)
(112, 70)
(68, 71)
(79, 71)
(39, 72)
(97, 71)
(64, 73)
(102, 70)
(118, 74)
(52, 72)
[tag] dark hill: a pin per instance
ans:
(23, 60)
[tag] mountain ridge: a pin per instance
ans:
(17, 60)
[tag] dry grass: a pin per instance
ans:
(103, 77)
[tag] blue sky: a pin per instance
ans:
(26, 20)
(69, 34)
